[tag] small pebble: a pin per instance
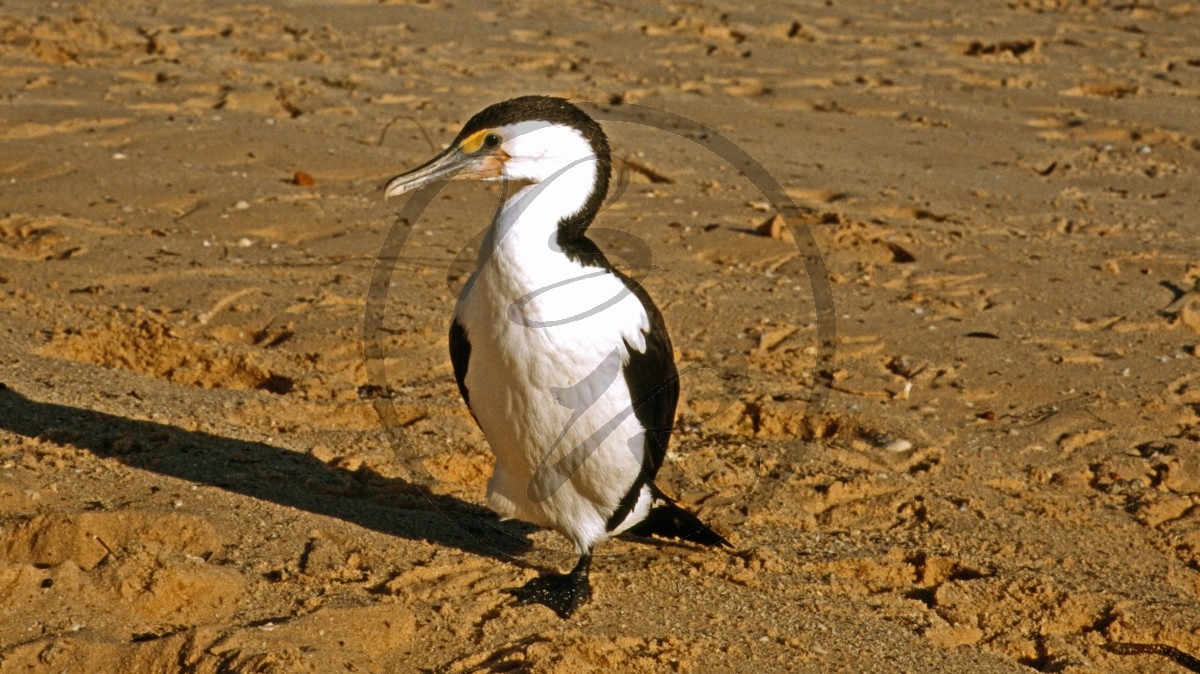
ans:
(242, 205)
(898, 446)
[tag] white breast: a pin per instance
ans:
(544, 375)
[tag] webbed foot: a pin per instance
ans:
(563, 593)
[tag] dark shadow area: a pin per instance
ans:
(281, 476)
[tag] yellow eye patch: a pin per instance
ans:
(474, 142)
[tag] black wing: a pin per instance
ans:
(460, 355)
(650, 375)
(653, 384)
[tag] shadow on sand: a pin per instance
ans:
(261, 471)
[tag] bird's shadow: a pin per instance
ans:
(275, 474)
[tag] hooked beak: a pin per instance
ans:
(450, 164)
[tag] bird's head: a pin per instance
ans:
(531, 138)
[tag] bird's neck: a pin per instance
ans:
(538, 217)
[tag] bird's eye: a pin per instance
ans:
(492, 141)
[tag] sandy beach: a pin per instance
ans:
(230, 435)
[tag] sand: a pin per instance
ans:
(992, 467)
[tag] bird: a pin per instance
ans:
(563, 360)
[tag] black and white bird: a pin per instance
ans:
(563, 360)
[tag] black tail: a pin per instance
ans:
(668, 520)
